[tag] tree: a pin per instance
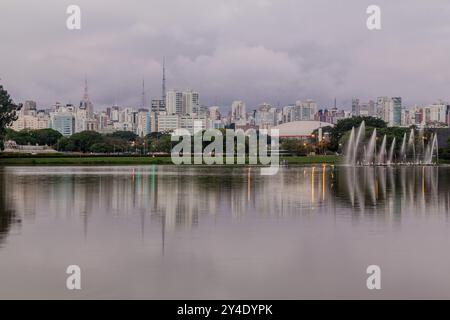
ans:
(41, 137)
(444, 153)
(159, 143)
(124, 135)
(101, 147)
(7, 114)
(63, 144)
(47, 136)
(345, 125)
(295, 147)
(20, 137)
(81, 141)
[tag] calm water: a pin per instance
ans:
(170, 232)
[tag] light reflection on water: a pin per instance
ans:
(211, 232)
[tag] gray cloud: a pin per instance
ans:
(273, 51)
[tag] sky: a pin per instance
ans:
(275, 51)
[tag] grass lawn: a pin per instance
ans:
(55, 159)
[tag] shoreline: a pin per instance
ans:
(34, 160)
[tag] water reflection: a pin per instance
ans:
(7, 214)
(180, 196)
(209, 232)
(393, 190)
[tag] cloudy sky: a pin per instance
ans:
(276, 51)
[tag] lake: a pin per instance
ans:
(174, 232)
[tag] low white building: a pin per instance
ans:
(31, 121)
(168, 122)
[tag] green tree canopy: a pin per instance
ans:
(159, 142)
(101, 147)
(81, 141)
(7, 113)
(345, 125)
(41, 137)
(295, 147)
(91, 141)
(124, 135)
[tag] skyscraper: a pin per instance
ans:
(304, 110)
(158, 105)
(85, 103)
(190, 102)
(383, 109)
(29, 107)
(63, 122)
(84, 114)
(214, 113)
(355, 107)
(238, 111)
(143, 122)
(396, 111)
(174, 102)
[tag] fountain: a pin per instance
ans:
(350, 146)
(382, 153)
(370, 150)
(391, 152)
(359, 138)
(428, 158)
(412, 147)
(403, 149)
(412, 151)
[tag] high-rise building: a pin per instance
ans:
(355, 107)
(190, 102)
(174, 102)
(383, 109)
(213, 113)
(266, 116)
(28, 108)
(115, 110)
(84, 115)
(308, 108)
(143, 123)
(154, 121)
(63, 122)
(448, 115)
(158, 105)
(238, 111)
(287, 114)
(367, 109)
(86, 104)
(304, 110)
(396, 111)
(103, 121)
(336, 115)
(436, 113)
(416, 116)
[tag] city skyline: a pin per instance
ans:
(234, 53)
(227, 107)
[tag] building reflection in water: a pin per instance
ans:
(8, 217)
(393, 190)
(179, 197)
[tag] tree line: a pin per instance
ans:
(93, 142)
